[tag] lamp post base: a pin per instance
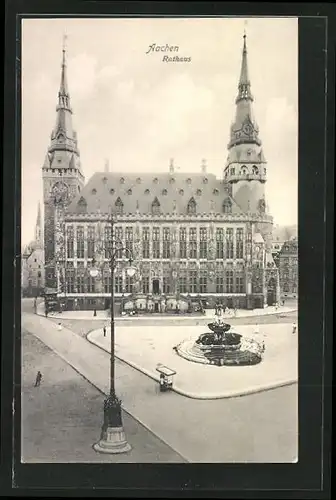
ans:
(113, 442)
(112, 438)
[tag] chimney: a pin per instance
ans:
(171, 166)
(204, 166)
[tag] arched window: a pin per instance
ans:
(286, 287)
(156, 206)
(191, 207)
(255, 170)
(119, 206)
(227, 206)
(243, 170)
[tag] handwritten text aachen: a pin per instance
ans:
(167, 48)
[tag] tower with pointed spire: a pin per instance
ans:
(245, 170)
(62, 173)
(38, 227)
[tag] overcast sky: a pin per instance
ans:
(139, 111)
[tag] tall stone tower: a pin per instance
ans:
(245, 170)
(62, 173)
(38, 228)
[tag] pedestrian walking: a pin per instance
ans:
(38, 379)
(276, 306)
(294, 328)
(46, 313)
(59, 326)
(104, 331)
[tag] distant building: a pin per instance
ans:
(280, 235)
(288, 269)
(193, 236)
(32, 263)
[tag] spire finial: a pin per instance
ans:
(63, 92)
(65, 37)
(244, 81)
(107, 165)
(245, 26)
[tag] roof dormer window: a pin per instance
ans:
(191, 207)
(146, 191)
(82, 205)
(156, 206)
(155, 180)
(205, 180)
(129, 191)
(119, 206)
(112, 191)
(188, 180)
(122, 180)
(94, 191)
(227, 206)
(164, 192)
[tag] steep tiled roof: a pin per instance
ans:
(289, 247)
(137, 192)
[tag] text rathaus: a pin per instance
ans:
(193, 236)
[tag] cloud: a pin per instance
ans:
(82, 73)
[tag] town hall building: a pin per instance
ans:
(193, 237)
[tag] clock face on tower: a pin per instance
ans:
(59, 192)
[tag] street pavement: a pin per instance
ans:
(62, 418)
(144, 348)
(256, 428)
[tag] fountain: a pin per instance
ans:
(221, 346)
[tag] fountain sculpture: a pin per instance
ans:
(221, 346)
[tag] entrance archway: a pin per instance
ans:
(271, 292)
(156, 287)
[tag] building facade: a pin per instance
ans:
(288, 269)
(32, 263)
(192, 236)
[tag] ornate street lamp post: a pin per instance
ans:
(112, 438)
